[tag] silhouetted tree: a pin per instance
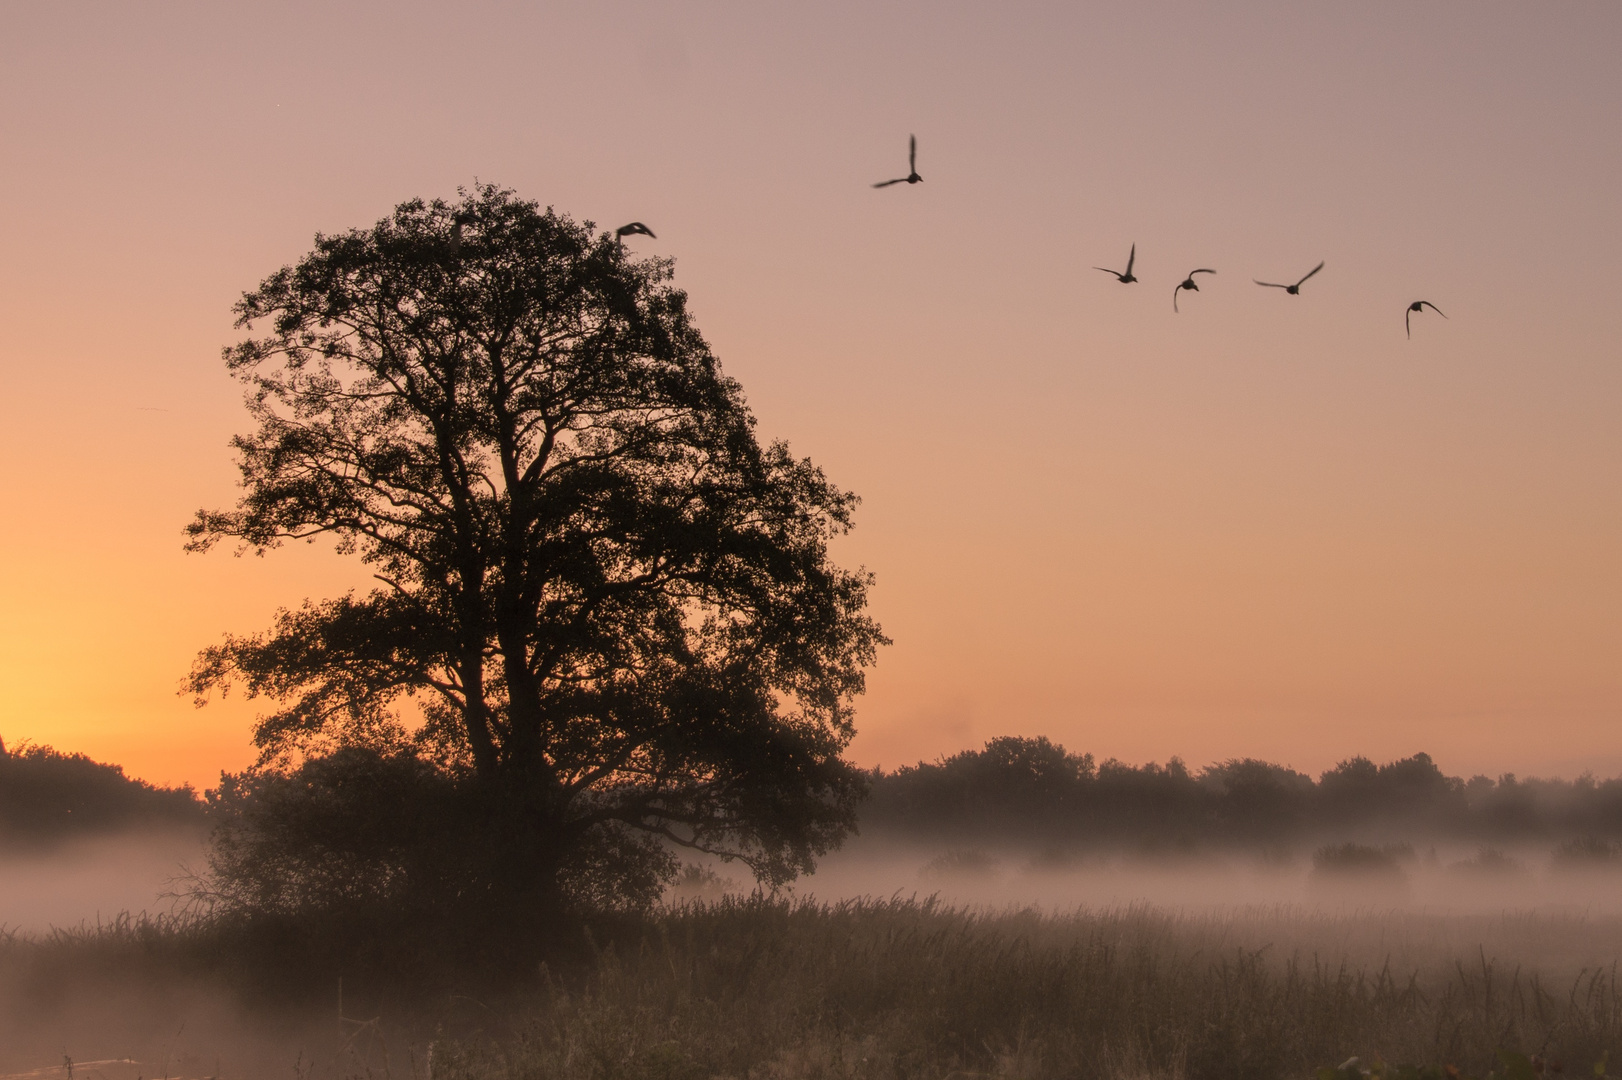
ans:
(1413, 791)
(1025, 785)
(613, 607)
(1259, 800)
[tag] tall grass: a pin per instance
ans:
(779, 989)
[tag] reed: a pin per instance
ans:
(766, 988)
(779, 989)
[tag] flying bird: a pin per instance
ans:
(1417, 305)
(635, 228)
(1188, 283)
(1126, 278)
(1293, 290)
(912, 176)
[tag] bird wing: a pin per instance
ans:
(912, 153)
(887, 183)
(1191, 273)
(1433, 307)
(1174, 293)
(1408, 320)
(1271, 284)
(1106, 270)
(1130, 259)
(1314, 270)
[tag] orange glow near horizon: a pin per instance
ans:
(1268, 526)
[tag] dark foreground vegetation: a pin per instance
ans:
(1036, 792)
(768, 988)
(47, 797)
(900, 988)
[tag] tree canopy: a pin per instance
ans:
(48, 797)
(611, 606)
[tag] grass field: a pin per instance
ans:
(909, 989)
(780, 990)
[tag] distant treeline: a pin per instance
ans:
(47, 797)
(1022, 790)
(1034, 791)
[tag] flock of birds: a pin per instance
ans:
(1125, 277)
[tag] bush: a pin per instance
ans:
(391, 840)
(1360, 859)
(958, 863)
(1589, 853)
(1488, 863)
(1359, 872)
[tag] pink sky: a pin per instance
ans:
(1267, 526)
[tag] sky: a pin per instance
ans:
(1268, 526)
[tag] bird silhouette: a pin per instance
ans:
(635, 228)
(1125, 278)
(1188, 283)
(1417, 305)
(912, 176)
(1293, 290)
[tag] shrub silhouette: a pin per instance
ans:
(365, 832)
(1356, 859)
(1358, 870)
(1588, 853)
(959, 863)
(1488, 863)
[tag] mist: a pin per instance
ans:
(1437, 879)
(92, 980)
(93, 879)
(69, 990)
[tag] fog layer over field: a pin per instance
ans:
(141, 1004)
(1436, 879)
(95, 878)
(1339, 895)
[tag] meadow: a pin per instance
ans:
(910, 988)
(781, 989)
